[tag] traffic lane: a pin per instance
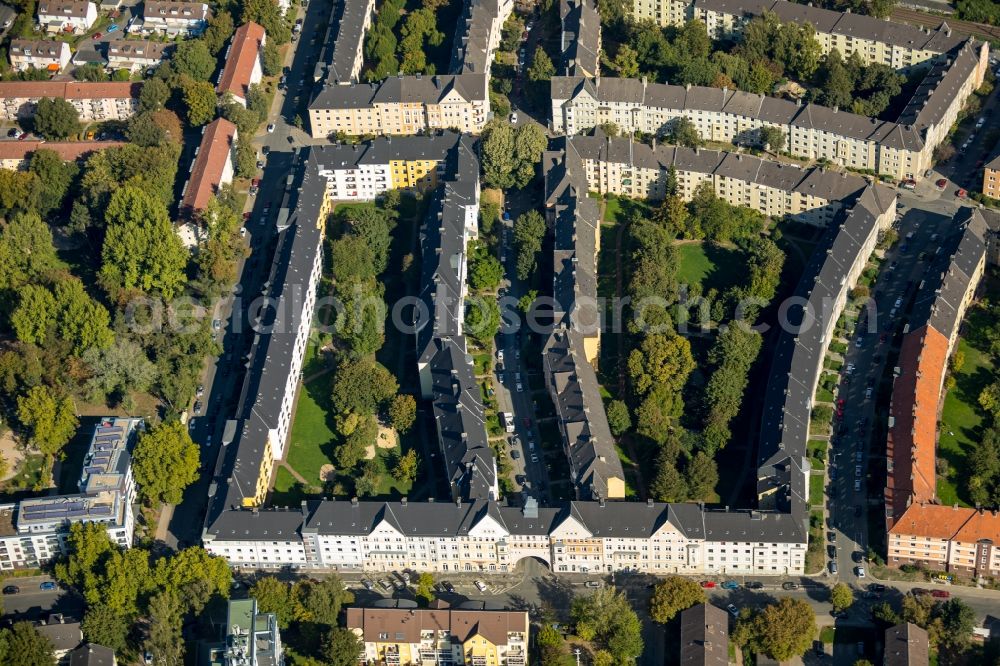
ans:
(34, 603)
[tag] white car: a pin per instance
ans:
(534, 457)
(500, 355)
(481, 585)
(270, 128)
(860, 571)
(513, 118)
(520, 387)
(243, 232)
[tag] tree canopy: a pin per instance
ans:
(167, 446)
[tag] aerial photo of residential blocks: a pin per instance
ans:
(499, 332)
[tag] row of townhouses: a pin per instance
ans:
(243, 66)
(444, 364)
(66, 16)
(486, 536)
(625, 167)
(920, 531)
(401, 105)
(477, 35)
(94, 102)
(171, 19)
(132, 54)
(901, 149)
(875, 40)
(33, 531)
(16, 155)
(343, 46)
(580, 43)
(441, 635)
(570, 352)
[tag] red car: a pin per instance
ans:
(707, 583)
(97, 35)
(941, 183)
(961, 194)
(840, 402)
(941, 594)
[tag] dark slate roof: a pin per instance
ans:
(940, 295)
(797, 357)
(851, 25)
(581, 37)
(91, 654)
(940, 87)
(906, 644)
(472, 37)
(705, 636)
(347, 33)
(409, 89)
(457, 403)
(254, 525)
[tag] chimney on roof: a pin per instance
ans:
(458, 502)
(601, 502)
(402, 501)
(354, 501)
(649, 503)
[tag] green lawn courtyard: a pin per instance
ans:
(709, 265)
(961, 416)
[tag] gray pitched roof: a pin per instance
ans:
(472, 37)
(704, 636)
(940, 87)
(349, 17)
(92, 654)
(581, 36)
(395, 89)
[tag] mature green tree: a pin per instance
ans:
(989, 399)
(81, 320)
(486, 272)
(957, 622)
(841, 597)
(246, 159)
(529, 231)
(551, 645)
(406, 467)
(529, 144)
(773, 138)
(836, 85)
(683, 132)
(374, 226)
(27, 254)
(91, 71)
(732, 354)
(165, 643)
(482, 318)
(883, 8)
(983, 485)
(885, 615)
(668, 485)
(117, 370)
(196, 574)
(192, 58)
(55, 176)
(123, 577)
(167, 446)
(418, 32)
(269, 16)
(662, 360)
(141, 250)
(88, 546)
(220, 252)
(25, 646)
(498, 154)
(55, 118)
(49, 418)
(626, 62)
(199, 100)
(144, 131)
(780, 630)
(403, 412)
(619, 418)
(322, 600)
(274, 596)
(425, 587)
(35, 314)
(270, 60)
(105, 626)
(541, 68)
(362, 386)
(19, 190)
(220, 29)
(672, 596)
(702, 477)
(352, 259)
(341, 647)
(154, 94)
(609, 616)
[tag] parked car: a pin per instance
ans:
(789, 586)
(859, 572)
(481, 586)
(733, 610)
(593, 583)
(941, 183)
(11, 589)
(448, 586)
(730, 585)
(961, 193)
(833, 567)
(707, 584)
(754, 585)
(941, 594)
(368, 584)
(877, 587)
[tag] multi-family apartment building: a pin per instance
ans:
(137, 55)
(243, 63)
(16, 155)
(72, 16)
(362, 172)
(213, 165)
(444, 365)
(571, 350)
(876, 40)
(704, 636)
(901, 149)
(49, 55)
(991, 178)
(250, 637)
(33, 531)
(625, 167)
(343, 55)
(946, 538)
(477, 35)
(172, 19)
(486, 536)
(441, 636)
(401, 105)
(92, 101)
(580, 38)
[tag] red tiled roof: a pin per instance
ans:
(982, 525)
(68, 89)
(243, 55)
(923, 361)
(68, 150)
(206, 175)
(931, 520)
